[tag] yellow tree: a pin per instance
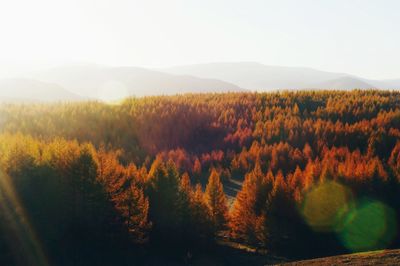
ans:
(216, 202)
(134, 206)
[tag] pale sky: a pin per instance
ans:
(359, 37)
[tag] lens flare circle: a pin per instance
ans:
(326, 205)
(370, 226)
(113, 92)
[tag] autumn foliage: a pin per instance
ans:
(162, 170)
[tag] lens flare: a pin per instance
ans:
(22, 236)
(112, 92)
(360, 225)
(370, 226)
(326, 205)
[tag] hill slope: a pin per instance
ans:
(344, 83)
(257, 76)
(392, 83)
(33, 90)
(382, 257)
(118, 82)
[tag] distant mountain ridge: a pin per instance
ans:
(82, 82)
(22, 90)
(92, 81)
(344, 83)
(256, 76)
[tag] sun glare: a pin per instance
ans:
(113, 91)
(22, 236)
(360, 224)
(370, 226)
(325, 206)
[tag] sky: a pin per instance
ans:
(358, 37)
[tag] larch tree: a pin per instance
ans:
(197, 168)
(278, 214)
(200, 215)
(163, 194)
(247, 209)
(185, 205)
(134, 206)
(216, 202)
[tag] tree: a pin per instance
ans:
(134, 206)
(394, 160)
(197, 168)
(280, 216)
(164, 198)
(195, 223)
(185, 205)
(246, 214)
(216, 202)
(307, 151)
(201, 215)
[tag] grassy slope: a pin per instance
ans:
(382, 257)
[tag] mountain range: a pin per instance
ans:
(256, 76)
(30, 90)
(72, 83)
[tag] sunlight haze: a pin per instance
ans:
(356, 37)
(199, 132)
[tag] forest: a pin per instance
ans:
(297, 174)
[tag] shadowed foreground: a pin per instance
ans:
(382, 257)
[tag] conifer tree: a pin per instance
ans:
(185, 205)
(277, 213)
(164, 201)
(248, 206)
(197, 168)
(134, 206)
(216, 202)
(201, 215)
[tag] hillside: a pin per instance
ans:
(212, 179)
(344, 83)
(115, 83)
(119, 82)
(392, 83)
(256, 76)
(381, 257)
(29, 90)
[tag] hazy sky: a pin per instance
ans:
(354, 36)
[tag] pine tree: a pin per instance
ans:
(134, 206)
(185, 205)
(309, 175)
(247, 208)
(201, 215)
(295, 180)
(163, 194)
(197, 169)
(216, 202)
(277, 212)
